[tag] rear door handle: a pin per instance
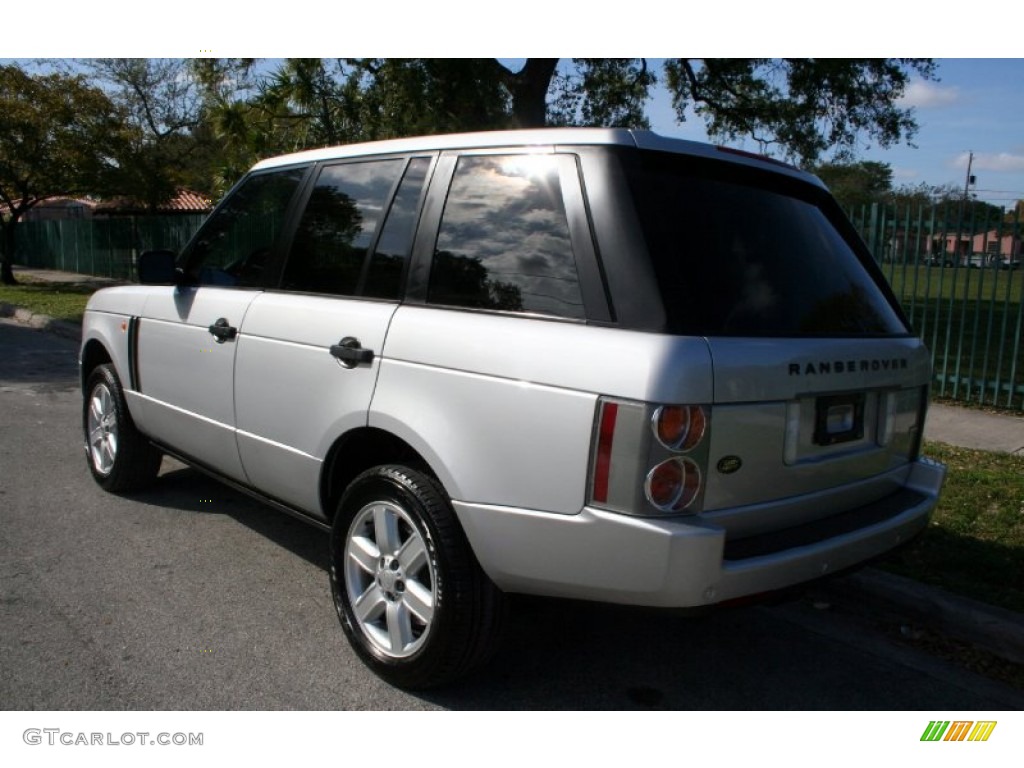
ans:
(223, 331)
(351, 353)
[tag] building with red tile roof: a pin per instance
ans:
(184, 201)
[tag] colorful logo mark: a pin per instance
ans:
(958, 730)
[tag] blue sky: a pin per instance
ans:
(975, 105)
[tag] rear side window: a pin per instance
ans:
(742, 253)
(504, 240)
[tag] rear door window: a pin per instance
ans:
(339, 225)
(387, 265)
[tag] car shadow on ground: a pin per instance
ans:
(182, 488)
(561, 654)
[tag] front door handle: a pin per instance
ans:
(223, 331)
(351, 353)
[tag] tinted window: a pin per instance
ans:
(234, 245)
(338, 226)
(504, 240)
(384, 275)
(741, 253)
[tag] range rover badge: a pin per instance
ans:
(729, 464)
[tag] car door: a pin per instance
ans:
(188, 335)
(308, 357)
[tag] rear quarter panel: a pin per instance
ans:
(502, 407)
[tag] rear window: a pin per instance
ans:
(739, 252)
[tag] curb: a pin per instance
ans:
(993, 629)
(64, 328)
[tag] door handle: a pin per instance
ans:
(351, 353)
(222, 330)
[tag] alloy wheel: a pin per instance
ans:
(390, 579)
(102, 429)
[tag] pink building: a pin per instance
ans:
(985, 249)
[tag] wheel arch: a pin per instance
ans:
(357, 451)
(94, 354)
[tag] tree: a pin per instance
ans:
(800, 108)
(54, 133)
(1015, 215)
(803, 106)
(239, 129)
(952, 210)
(319, 102)
(602, 92)
(166, 142)
(856, 184)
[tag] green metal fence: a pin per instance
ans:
(101, 246)
(960, 281)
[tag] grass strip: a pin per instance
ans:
(974, 545)
(62, 301)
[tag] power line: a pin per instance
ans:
(1001, 191)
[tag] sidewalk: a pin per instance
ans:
(56, 276)
(973, 428)
(994, 629)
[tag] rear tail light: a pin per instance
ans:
(649, 459)
(673, 485)
(679, 427)
(900, 420)
(603, 463)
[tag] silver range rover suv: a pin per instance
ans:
(596, 364)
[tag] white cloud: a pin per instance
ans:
(990, 161)
(1003, 161)
(924, 94)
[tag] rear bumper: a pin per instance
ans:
(608, 557)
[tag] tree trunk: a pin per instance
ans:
(7, 248)
(529, 89)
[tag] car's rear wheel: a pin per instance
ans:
(413, 601)
(119, 457)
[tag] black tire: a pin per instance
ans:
(413, 601)
(120, 458)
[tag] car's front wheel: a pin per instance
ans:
(120, 458)
(413, 601)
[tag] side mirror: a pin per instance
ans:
(157, 268)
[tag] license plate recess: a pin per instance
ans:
(839, 418)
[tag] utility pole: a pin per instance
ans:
(970, 179)
(959, 251)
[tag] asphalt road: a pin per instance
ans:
(191, 596)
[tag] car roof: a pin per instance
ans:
(540, 138)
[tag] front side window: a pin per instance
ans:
(503, 242)
(338, 226)
(233, 247)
